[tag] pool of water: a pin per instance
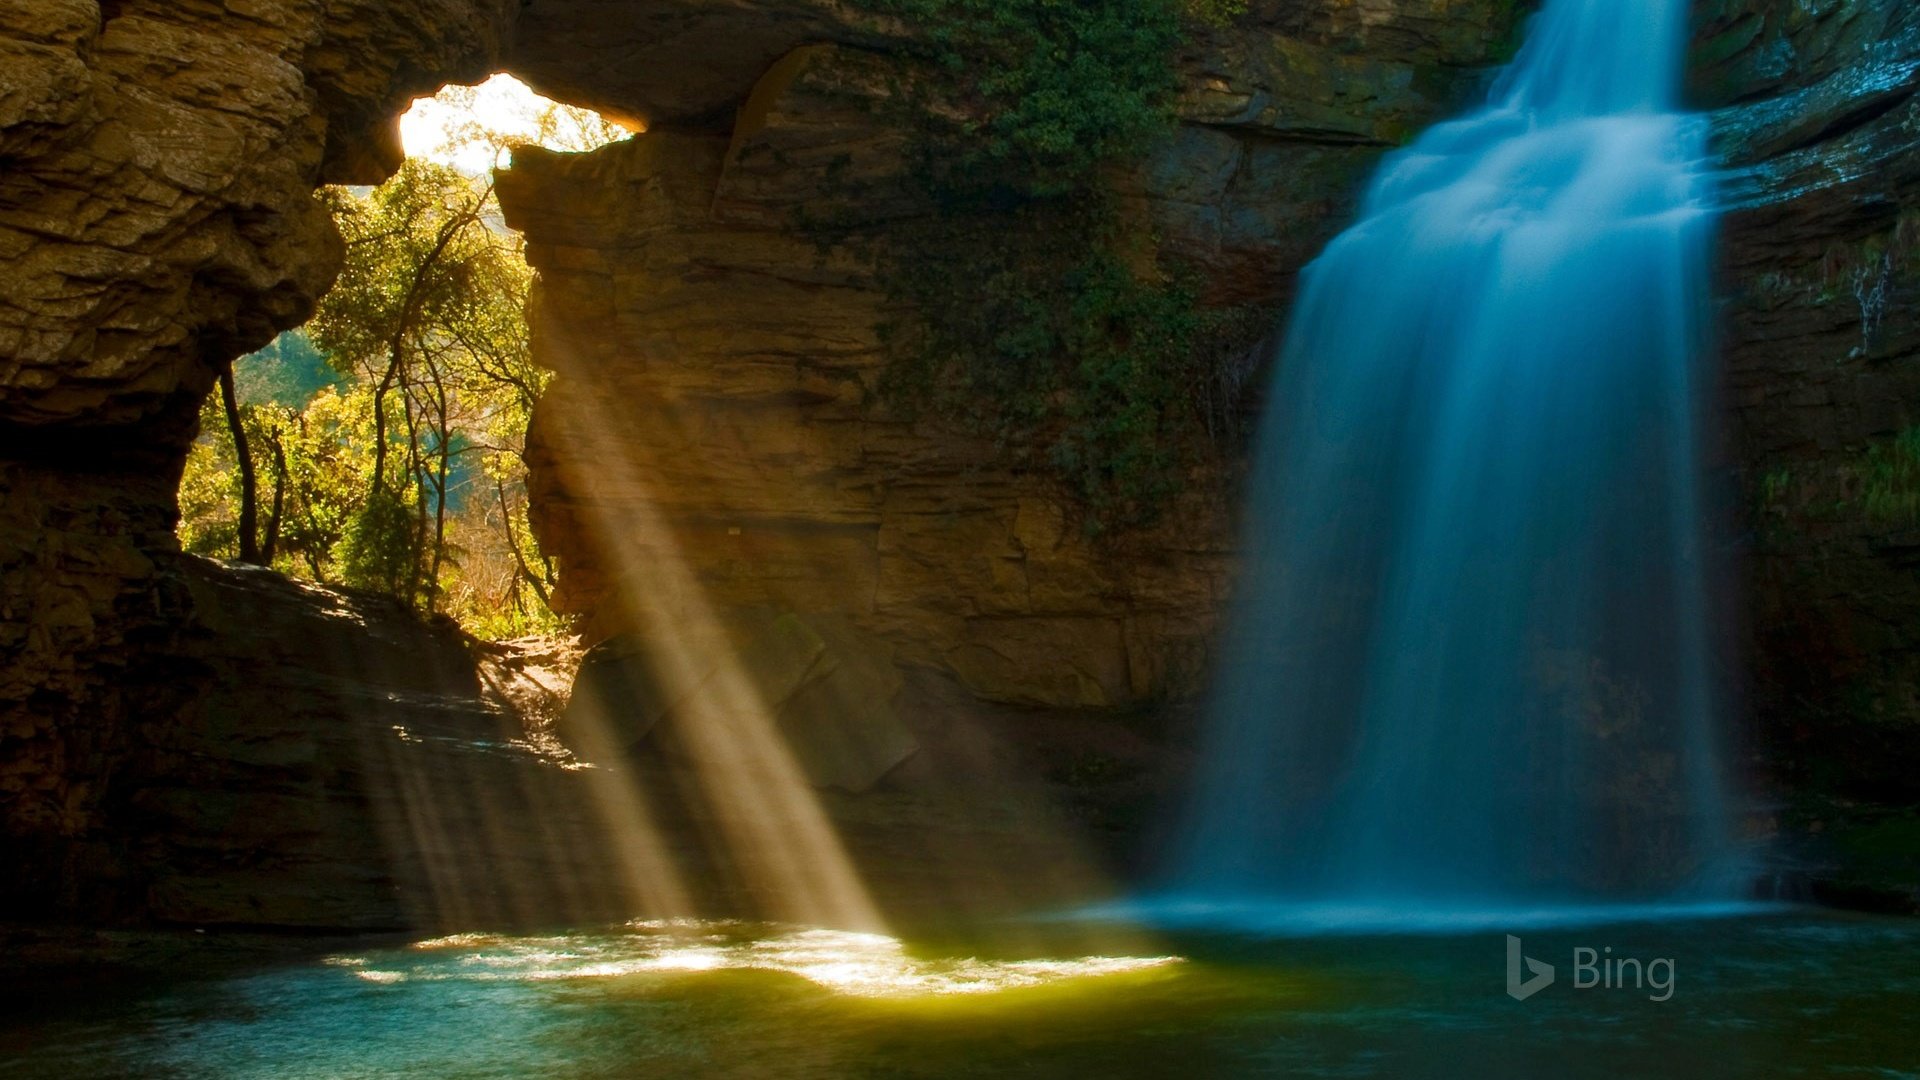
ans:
(1778, 994)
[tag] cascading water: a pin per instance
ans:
(1469, 669)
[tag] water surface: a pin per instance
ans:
(1780, 995)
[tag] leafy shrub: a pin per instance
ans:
(379, 552)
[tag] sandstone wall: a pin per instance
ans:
(741, 359)
(157, 159)
(712, 411)
(715, 411)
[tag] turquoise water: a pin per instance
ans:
(1778, 995)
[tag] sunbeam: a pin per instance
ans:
(779, 838)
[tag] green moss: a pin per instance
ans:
(1216, 12)
(1029, 325)
(1775, 487)
(1871, 272)
(1890, 480)
(1043, 92)
(1026, 306)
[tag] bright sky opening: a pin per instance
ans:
(467, 126)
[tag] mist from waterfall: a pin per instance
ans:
(1470, 664)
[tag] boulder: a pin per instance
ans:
(828, 688)
(617, 700)
(843, 727)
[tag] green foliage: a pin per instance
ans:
(311, 469)
(1027, 308)
(492, 558)
(210, 489)
(425, 273)
(1774, 488)
(1046, 91)
(1119, 377)
(1216, 12)
(326, 455)
(387, 437)
(429, 312)
(1891, 480)
(379, 552)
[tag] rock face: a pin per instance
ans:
(712, 424)
(328, 762)
(830, 689)
(154, 216)
(715, 407)
(320, 761)
(157, 159)
(1822, 287)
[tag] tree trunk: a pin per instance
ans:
(417, 475)
(513, 543)
(271, 546)
(249, 509)
(443, 467)
(409, 314)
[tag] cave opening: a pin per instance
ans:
(380, 453)
(941, 511)
(380, 446)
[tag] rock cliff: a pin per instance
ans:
(713, 414)
(1818, 118)
(716, 407)
(157, 163)
(1819, 112)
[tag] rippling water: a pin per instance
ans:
(1771, 996)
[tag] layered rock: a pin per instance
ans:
(830, 690)
(155, 217)
(170, 747)
(157, 159)
(715, 411)
(336, 763)
(1821, 286)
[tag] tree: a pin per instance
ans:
(411, 246)
(247, 526)
(312, 481)
(430, 313)
(382, 447)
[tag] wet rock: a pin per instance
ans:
(1817, 109)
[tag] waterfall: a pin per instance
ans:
(1469, 666)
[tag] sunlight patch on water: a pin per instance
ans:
(845, 962)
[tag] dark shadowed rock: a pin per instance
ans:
(616, 699)
(844, 726)
(828, 687)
